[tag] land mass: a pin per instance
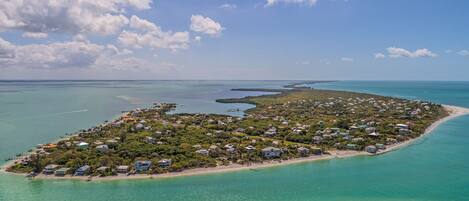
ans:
(296, 125)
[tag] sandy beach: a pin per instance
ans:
(453, 111)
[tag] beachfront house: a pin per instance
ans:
(351, 146)
(303, 151)
(380, 146)
(316, 151)
(83, 170)
(142, 166)
(102, 169)
(122, 169)
(62, 172)
(164, 163)
(371, 149)
(271, 152)
(50, 169)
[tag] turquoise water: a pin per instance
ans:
(435, 168)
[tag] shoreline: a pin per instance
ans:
(453, 112)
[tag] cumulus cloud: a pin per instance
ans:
(73, 54)
(205, 25)
(101, 17)
(379, 55)
(147, 34)
(304, 2)
(229, 6)
(395, 52)
(464, 53)
(347, 59)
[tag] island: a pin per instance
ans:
(296, 125)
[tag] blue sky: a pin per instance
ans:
(255, 39)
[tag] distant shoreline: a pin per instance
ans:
(454, 111)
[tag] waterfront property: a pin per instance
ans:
(292, 124)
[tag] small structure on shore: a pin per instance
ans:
(83, 171)
(371, 149)
(50, 169)
(303, 151)
(62, 172)
(164, 163)
(142, 166)
(271, 152)
(122, 169)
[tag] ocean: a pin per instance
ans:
(433, 168)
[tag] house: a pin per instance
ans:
(370, 130)
(402, 126)
(202, 152)
(111, 142)
(50, 169)
(250, 148)
(380, 146)
(373, 134)
(357, 139)
(122, 169)
(141, 166)
(230, 148)
(83, 170)
(150, 140)
(271, 152)
(404, 131)
(62, 172)
(271, 132)
(139, 126)
(351, 146)
(102, 169)
(102, 148)
(83, 145)
(371, 149)
(303, 151)
(164, 163)
(316, 151)
(317, 139)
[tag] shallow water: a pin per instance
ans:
(434, 168)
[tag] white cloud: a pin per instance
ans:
(143, 25)
(34, 35)
(205, 25)
(448, 51)
(101, 17)
(147, 34)
(379, 55)
(304, 2)
(347, 59)
(72, 54)
(395, 52)
(229, 6)
(464, 53)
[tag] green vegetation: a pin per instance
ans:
(292, 124)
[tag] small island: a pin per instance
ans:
(300, 124)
